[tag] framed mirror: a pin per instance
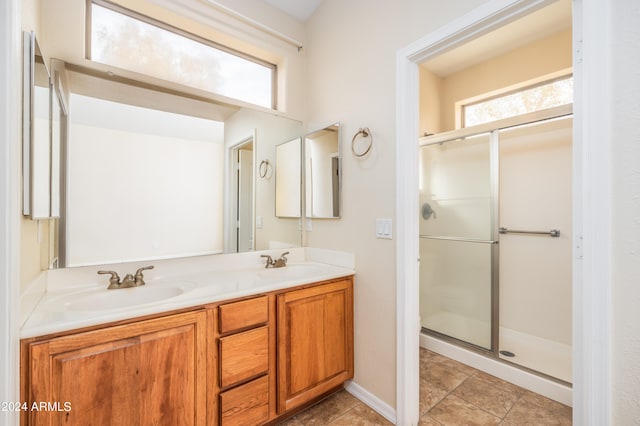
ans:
(59, 116)
(288, 178)
(323, 173)
(38, 166)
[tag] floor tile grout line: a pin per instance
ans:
(474, 373)
(340, 416)
(430, 418)
(447, 395)
(521, 393)
(513, 406)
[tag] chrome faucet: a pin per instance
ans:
(277, 263)
(128, 281)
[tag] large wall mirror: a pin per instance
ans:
(40, 153)
(162, 155)
(149, 169)
(154, 174)
(323, 173)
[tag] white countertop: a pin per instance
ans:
(74, 298)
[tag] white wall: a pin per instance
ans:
(351, 48)
(158, 175)
(625, 204)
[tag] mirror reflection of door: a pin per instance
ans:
(244, 196)
(322, 171)
(335, 184)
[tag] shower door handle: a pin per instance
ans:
(460, 239)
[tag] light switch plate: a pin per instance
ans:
(384, 228)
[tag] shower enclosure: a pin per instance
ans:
(495, 239)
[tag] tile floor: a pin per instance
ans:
(451, 393)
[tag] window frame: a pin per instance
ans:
(180, 32)
(519, 88)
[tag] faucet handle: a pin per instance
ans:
(139, 278)
(283, 256)
(114, 281)
(269, 260)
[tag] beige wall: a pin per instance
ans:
(552, 55)
(430, 102)
(351, 51)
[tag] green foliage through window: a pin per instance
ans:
(537, 98)
(125, 42)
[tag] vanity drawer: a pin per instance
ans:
(246, 405)
(243, 356)
(243, 314)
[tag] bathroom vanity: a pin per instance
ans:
(245, 360)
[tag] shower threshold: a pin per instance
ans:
(486, 361)
(541, 357)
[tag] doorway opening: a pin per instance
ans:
(495, 270)
(462, 32)
(243, 196)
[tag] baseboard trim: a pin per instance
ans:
(381, 407)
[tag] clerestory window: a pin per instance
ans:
(122, 38)
(533, 98)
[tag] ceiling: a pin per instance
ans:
(537, 25)
(299, 9)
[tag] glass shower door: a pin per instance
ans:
(456, 238)
(535, 246)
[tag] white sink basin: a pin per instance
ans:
(103, 300)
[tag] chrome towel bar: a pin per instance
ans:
(554, 233)
(459, 239)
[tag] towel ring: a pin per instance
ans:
(363, 132)
(263, 169)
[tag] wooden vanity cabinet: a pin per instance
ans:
(243, 362)
(144, 373)
(315, 341)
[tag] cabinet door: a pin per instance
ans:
(146, 373)
(315, 341)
